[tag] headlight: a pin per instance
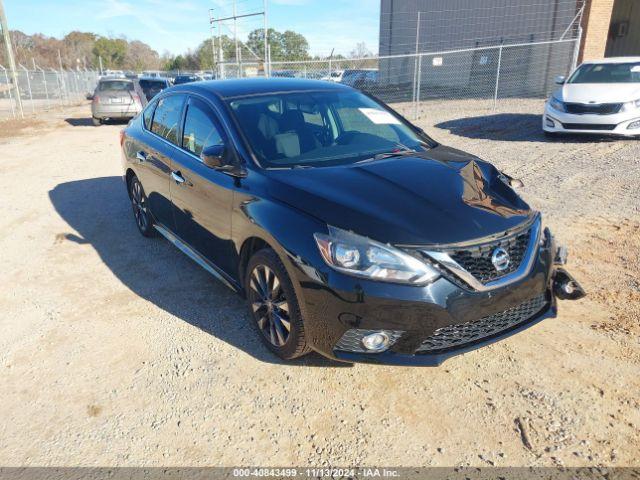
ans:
(630, 106)
(556, 104)
(355, 255)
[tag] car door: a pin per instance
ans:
(202, 197)
(154, 155)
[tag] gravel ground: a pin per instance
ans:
(118, 350)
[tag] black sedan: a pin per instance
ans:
(348, 230)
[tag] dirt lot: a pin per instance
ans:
(118, 350)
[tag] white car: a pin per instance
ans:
(600, 97)
(334, 76)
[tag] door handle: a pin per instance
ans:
(177, 177)
(141, 156)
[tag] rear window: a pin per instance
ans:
(152, 87)
(115, 85)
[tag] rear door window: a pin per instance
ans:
(147, 115)
(166, 119)
(200, 127)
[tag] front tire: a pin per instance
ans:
(274, 306)
(140, 205)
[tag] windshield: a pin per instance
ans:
(115, 85)
(321, 128)
(607, 73)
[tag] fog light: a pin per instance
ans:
(376, 342)
(633, 125)
(549, 122)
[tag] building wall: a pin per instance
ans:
(467, 24)
(624, 34)
(452, 24)
(596, 22)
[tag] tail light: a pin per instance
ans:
(96, 99)
(122, 137)
(136, 99)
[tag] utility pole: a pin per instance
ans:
(267, 52)
(213, 43)
(416, 74)
(100, 60)
(64, 85)
(235, 37)
(12, 63)
(220, 51)
(219, 21)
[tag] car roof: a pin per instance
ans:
(257, 86)
(115, 79)
(153, 79)
(614, 60)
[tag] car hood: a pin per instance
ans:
(442, 196)
(599, 92)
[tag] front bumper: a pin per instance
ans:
(616, 124)
(333, 303)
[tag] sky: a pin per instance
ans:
(175, 26)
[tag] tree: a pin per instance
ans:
(111, 50)
(140, 56)
(255, 42)
(294, 46)
(361, 51)
(205, 56)
(77, 48)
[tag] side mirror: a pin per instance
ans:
(214, 157)
(561, 79)
(218, 158)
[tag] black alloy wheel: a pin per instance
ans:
(274, 305)
(140, 207)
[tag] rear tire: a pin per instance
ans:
(275, 311)
(140, 205)
(96, 121)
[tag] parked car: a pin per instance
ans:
(180, 79)
(360, 79)
(348, 230)
(113, 74)
(285, 73)
(600, 97)
(334, 76)
(151, 86)
(114, 98)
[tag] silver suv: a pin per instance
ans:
(115, 98)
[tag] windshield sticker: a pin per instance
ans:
(379, 117)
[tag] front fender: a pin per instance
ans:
(286, 229)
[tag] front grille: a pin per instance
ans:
(477, 259)
(596, 109)
(588, 126)
(455, 336)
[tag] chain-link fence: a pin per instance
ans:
(483, 76)
(480, 78)
(42, 89)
